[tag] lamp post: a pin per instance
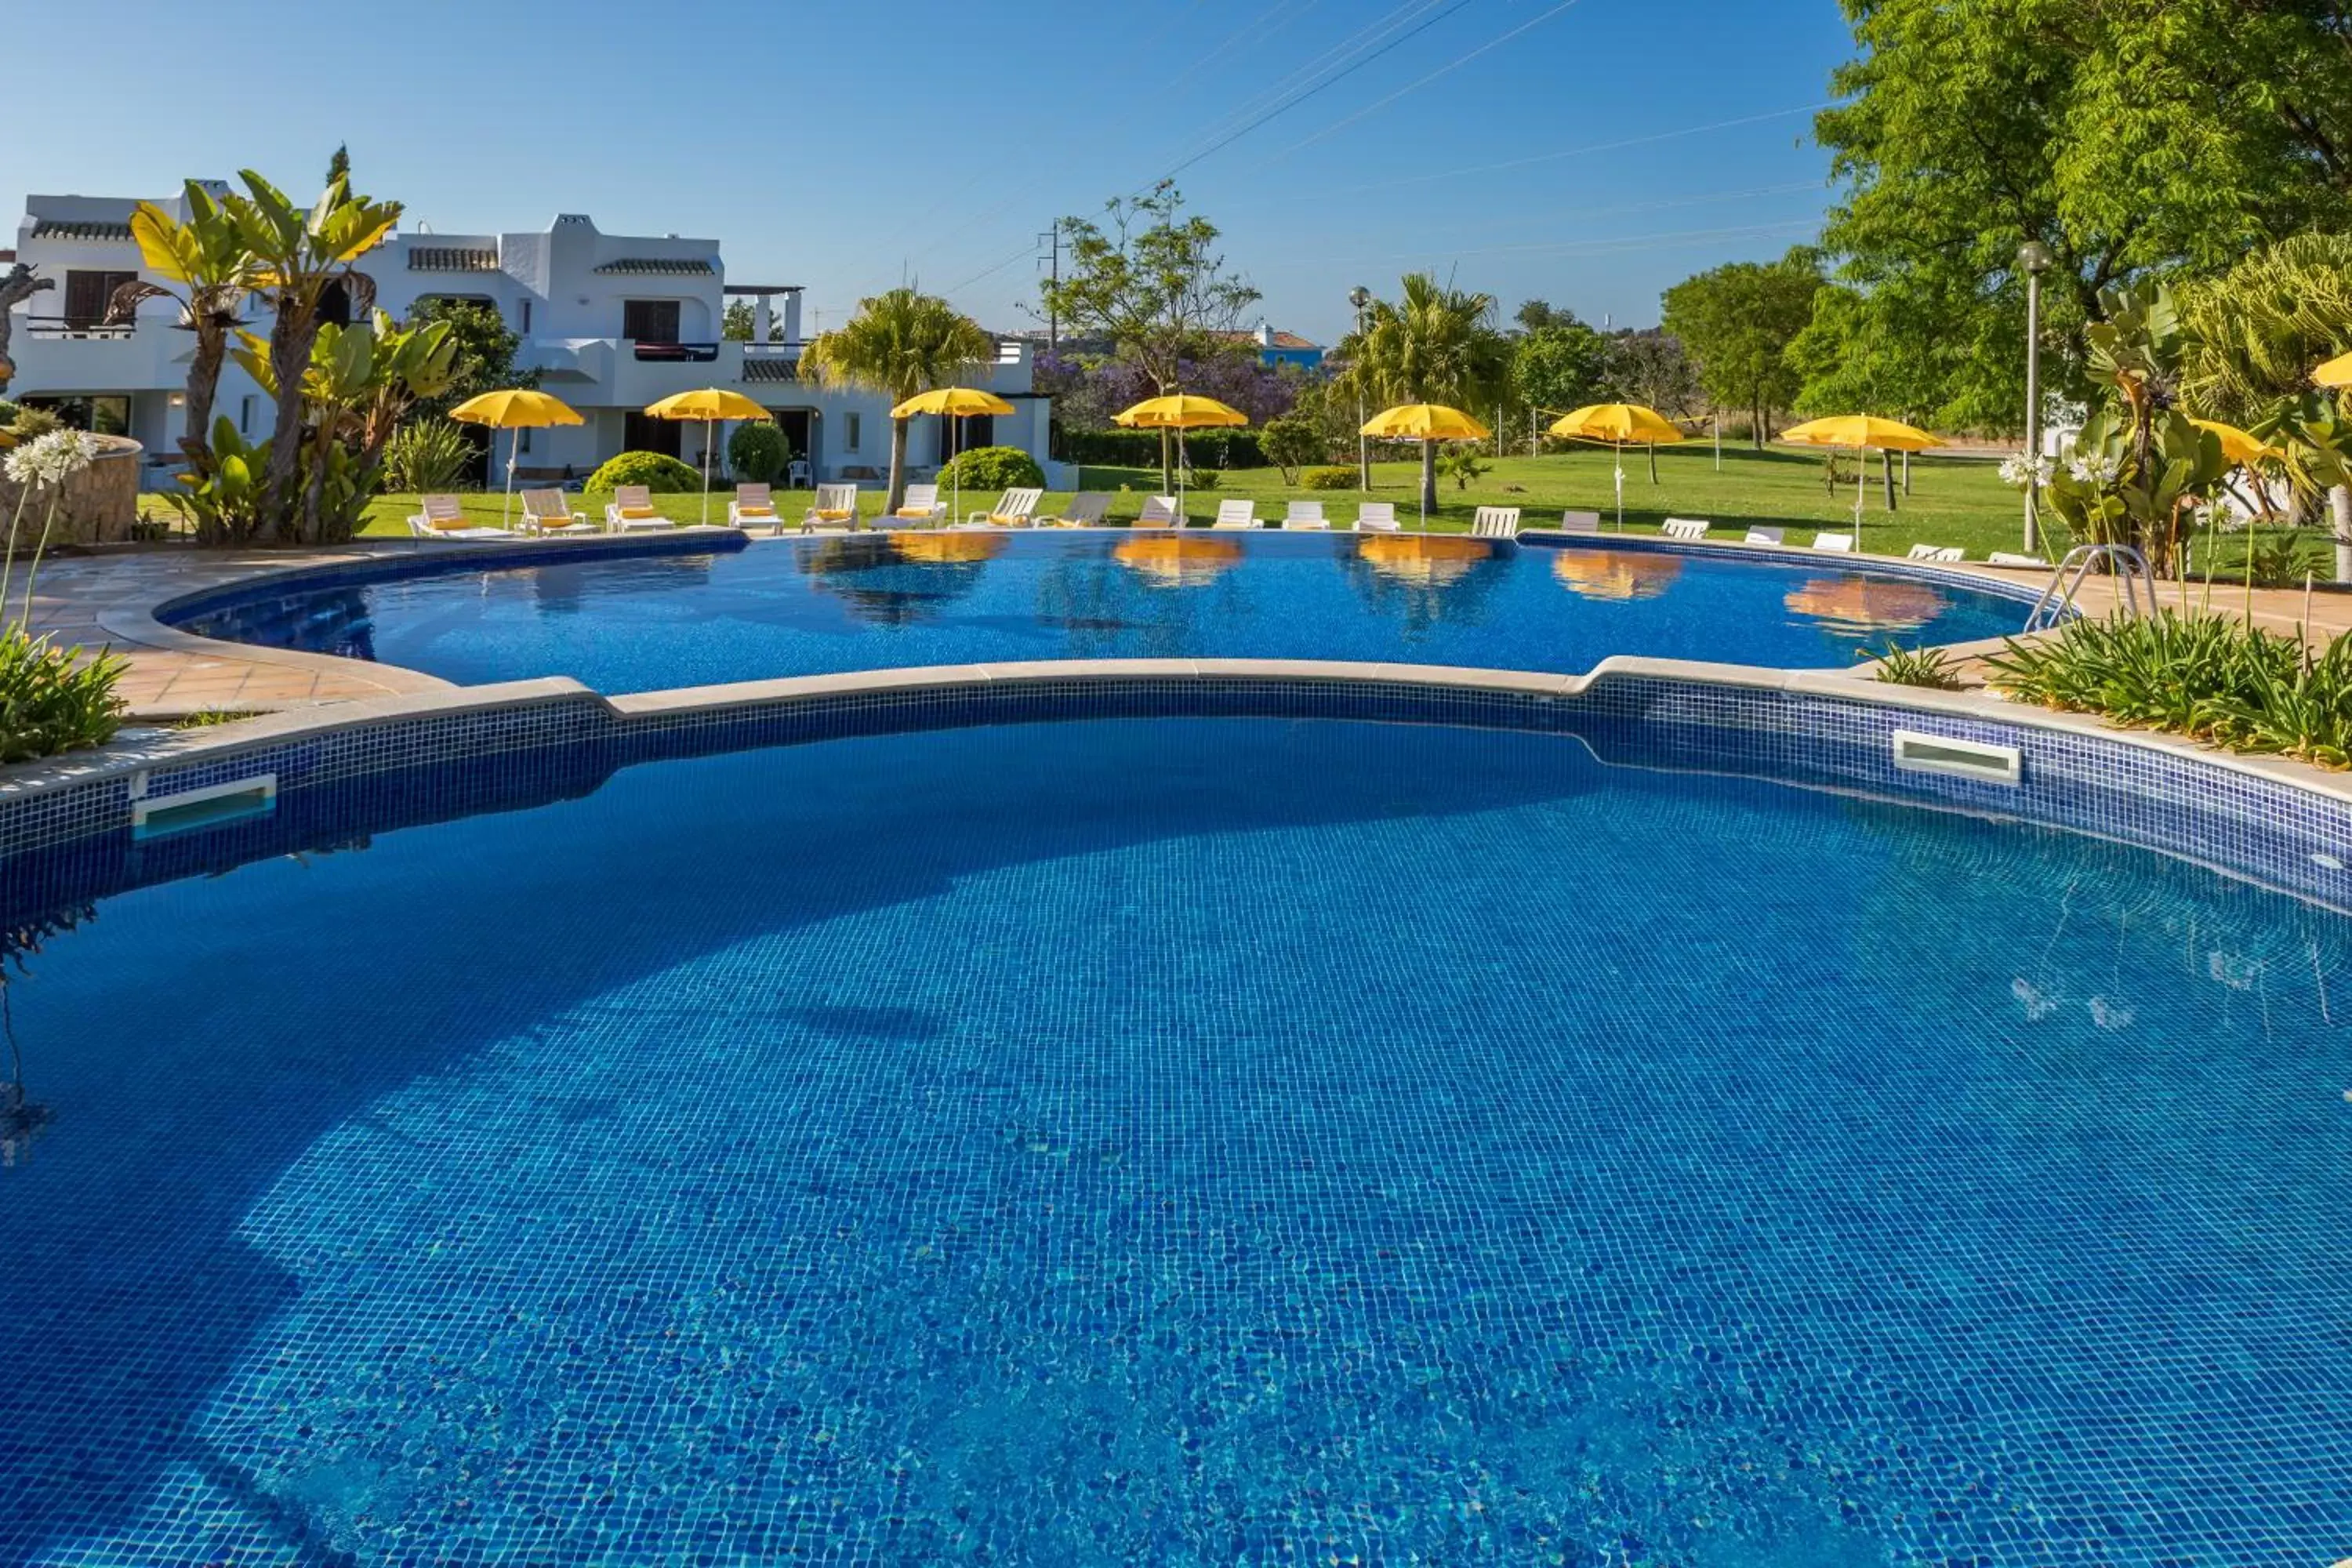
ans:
(2035, 258)
(1360, 296)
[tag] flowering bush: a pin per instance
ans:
(2019, 471)
(52, 699)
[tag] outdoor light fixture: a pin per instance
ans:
(2034, 258)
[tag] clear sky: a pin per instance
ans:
(1589, 153)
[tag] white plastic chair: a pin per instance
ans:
(1495, 522)
(1579, 523)
(1836, 543)
(1759, 534)
(836, 507)
(1304, 514)
(1237, 513)
(1376, 516)
(1689, 530)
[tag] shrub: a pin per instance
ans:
(1290, 444)
(1463, 465)
(429, 455)
(1330, 479)
(52, 699)
(662, 475)
(994, 469)
(1141, 448)
(29, 423)
(1928, 666)
(757, 452)
(1201, 479)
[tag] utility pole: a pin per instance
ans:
(1052, 240)
(1360, 296)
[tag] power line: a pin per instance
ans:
(1586, 247)
(1453, 65)
(1625, 208)
(1325, 85)
(1584, 151)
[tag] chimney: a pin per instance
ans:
(1265, 336)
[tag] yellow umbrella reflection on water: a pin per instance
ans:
(1865, 604)
(1607, 574)
(1173, 561)
(941, 548)
(1423, 560)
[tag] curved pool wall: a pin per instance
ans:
(65, 827)
(701, 606)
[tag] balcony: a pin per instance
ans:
(63, 354)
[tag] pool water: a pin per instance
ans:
(1207, 1142)
(864, 601)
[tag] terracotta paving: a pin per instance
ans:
(98, 601)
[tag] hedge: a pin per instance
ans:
(661, 475)
(1141, 448)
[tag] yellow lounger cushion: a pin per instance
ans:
(741, 510)
(639, 511)
(1006, 519)
(913, 513)
(829, 514)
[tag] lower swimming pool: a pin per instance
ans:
(676, 614)
(1182, 1142)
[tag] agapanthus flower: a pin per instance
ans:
(53, 459)
(2020, 470)
(2093, 468)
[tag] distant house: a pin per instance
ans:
(610, 323)
(1280, 347)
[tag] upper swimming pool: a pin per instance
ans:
(668, 617)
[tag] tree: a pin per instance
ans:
(1436, 344)
(299, 255)
(1152, 284)
(207, 257)
(735, 325)
(1558, 366)
(1534, 315)
(482, 353)
(1290, 444)
(339, 167)
(1737, 322)
(1650, 368)
(2128, 137)
(899, 343)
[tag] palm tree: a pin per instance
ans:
(899, 343)
(1437, 344)
(208, 259)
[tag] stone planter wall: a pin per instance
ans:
(99, 503)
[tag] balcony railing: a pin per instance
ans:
(676, 353)
(75, 327)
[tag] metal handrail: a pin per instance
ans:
(2123, 563)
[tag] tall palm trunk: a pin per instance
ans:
(1428, 477)
(204, 384)
(290, 342)
(898, 496)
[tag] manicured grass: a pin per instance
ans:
(1953, 499)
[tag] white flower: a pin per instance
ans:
(53, 459)
(2093, 468)
(2020, 470)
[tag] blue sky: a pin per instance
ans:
(1590, 153)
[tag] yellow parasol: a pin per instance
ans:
(515, 408)
(1426, 422)
(952, 403)
(709, 404)
(2335, 372)
(1861, 432)
(1618, 423)
(1179, 412)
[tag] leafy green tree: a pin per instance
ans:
(1291, 444)
(1534, 315)
(1558, 364)
(2127, 136)
(758, 451)
(1652, 368)
(482, 353)
(737, 321)
(1152, 284)
(899, 343)
(1737, 322)
(339, 167)
(1435, 344)
(210, 270)
(299, 255)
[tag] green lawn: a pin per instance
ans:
(1953, 501)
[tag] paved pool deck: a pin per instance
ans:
(107, 601)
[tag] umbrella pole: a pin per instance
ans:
(514, 447)
(1182, 521)
(1617, 460)
(707, 427)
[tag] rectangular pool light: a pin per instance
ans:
(158, 816)
(1917, 753)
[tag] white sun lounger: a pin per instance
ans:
(1579, 523)
(836, 507)
(1304, 514)
(444, 517)
(1088, 510)
(1689, 530)
(1159, 512)
(752, 503)
(921, 504)
(1836, 543)
(1938, 552)
(1377, 517)
(549, 512)
(1495, 522)
(632, 505)
(2010, 558)
(1013, 508)
(1237, 513)
(1759, 534)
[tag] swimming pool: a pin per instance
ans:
(1178, 1141)
(670, 617)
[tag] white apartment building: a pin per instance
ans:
(612, 322)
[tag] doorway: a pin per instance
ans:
(644, 433)
(799, 427)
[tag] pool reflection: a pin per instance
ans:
(1426, 580)
(1615, 576)
(897, 579)
(1857, 606)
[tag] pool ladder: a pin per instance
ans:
(2123, 563)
